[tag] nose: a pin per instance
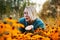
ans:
(25, 14)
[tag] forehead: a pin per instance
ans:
(25, 10)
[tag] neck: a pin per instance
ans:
(30, 22)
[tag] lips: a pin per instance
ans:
(26, 18)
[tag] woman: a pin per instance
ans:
(31, 20)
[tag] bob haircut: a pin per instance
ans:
(32, 12)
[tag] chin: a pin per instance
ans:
(27, 20)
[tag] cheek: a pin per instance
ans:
(29, 19)
(25, 15)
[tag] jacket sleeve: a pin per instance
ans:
(39, 24)
(42, 25)
(21, 20)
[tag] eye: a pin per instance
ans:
(25, 12)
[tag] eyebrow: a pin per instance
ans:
(25, 12)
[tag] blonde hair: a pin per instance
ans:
(32, 12)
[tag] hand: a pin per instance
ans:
(29, 27)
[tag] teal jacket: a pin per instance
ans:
(37, 23)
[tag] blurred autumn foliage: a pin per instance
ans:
(15, 8)
(51, 9)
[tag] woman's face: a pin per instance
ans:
(26, 16)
